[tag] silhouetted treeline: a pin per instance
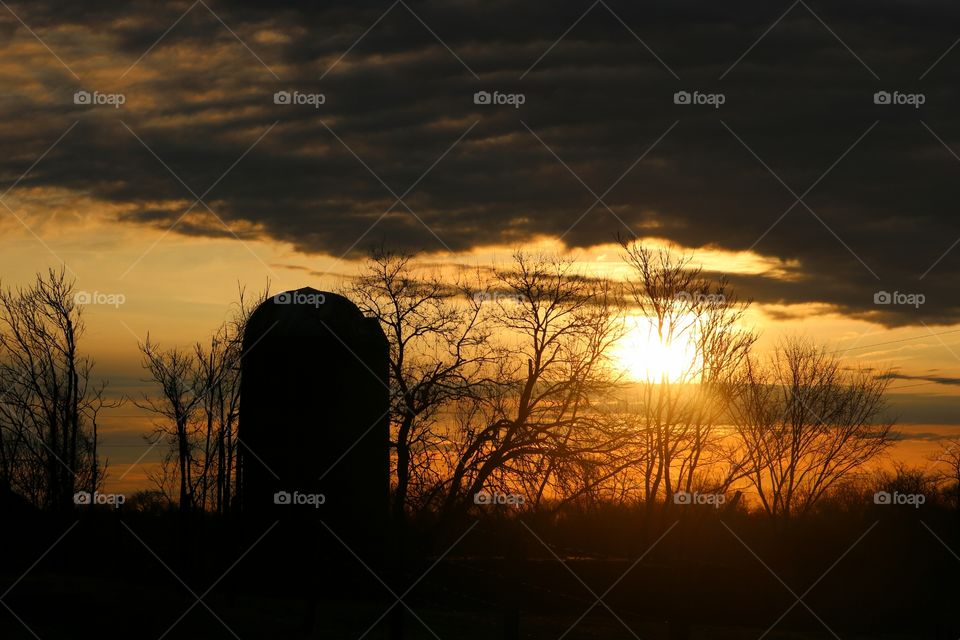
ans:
(507, 386)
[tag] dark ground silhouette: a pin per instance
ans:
(877, 573)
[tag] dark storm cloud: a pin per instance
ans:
(948, 380)
(881, 185)
(925, 436)
(912, 407)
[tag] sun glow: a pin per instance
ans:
(642, 355)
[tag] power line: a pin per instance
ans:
(877, 344)
(918, 384)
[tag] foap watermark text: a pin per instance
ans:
(896, 498)
(699, 98)
(899, 298)
(95, 98)
(899, 98)
(96, 498)
(299, 499)
(497, 98)
(695, 497)
(299, 297)
(298, 98)
(511, 499)
(98, 297)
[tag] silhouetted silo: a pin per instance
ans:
(313, 414)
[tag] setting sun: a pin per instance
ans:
(642, 355)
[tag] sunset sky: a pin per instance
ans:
(801, 183)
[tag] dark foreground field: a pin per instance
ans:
(885, 572)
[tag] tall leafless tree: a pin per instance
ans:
(804, 422)
(198, 403)
(698, 320)
(177, 375)
(947, 470)
(49, 402)
(438, 347)
(539, 429)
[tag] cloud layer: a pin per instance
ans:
(799, 163)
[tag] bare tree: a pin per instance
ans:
(538, 429)
(804, 422)
(48, 401)
(947, 470)
(198, 401)
(438, 345)
(698, 322)
(220, 372)
(177, 375)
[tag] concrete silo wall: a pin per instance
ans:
(314, 412)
